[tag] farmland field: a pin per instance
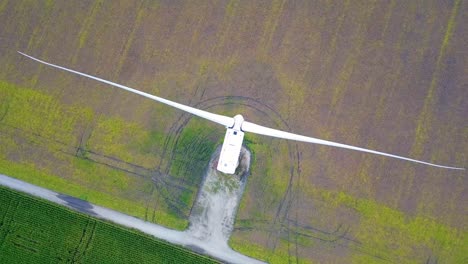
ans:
(386, 75)
(37, 231)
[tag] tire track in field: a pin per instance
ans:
(167, 184)
(81, 152)
(171, 142)
(7, 221)
(300, 230)
(277, 227)
(78, 253)
(25, 243)
(288, 197)
(4, 108)
(330, 239)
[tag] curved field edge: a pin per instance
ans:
(37, 231)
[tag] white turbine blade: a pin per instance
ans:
(220, 119)
(251, 127)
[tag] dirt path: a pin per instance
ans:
(212, 217)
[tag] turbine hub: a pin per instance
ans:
(238, 120)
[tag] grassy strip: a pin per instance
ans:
(36, 231)
(42, 119)
(390, 232)
(384, 234)
(278, 256)
(30, 173)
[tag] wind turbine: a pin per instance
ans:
(235, 128)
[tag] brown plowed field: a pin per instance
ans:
(386, 75)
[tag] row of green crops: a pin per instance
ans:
(37, 231)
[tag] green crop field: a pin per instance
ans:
(386, 75)
(37, 231)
